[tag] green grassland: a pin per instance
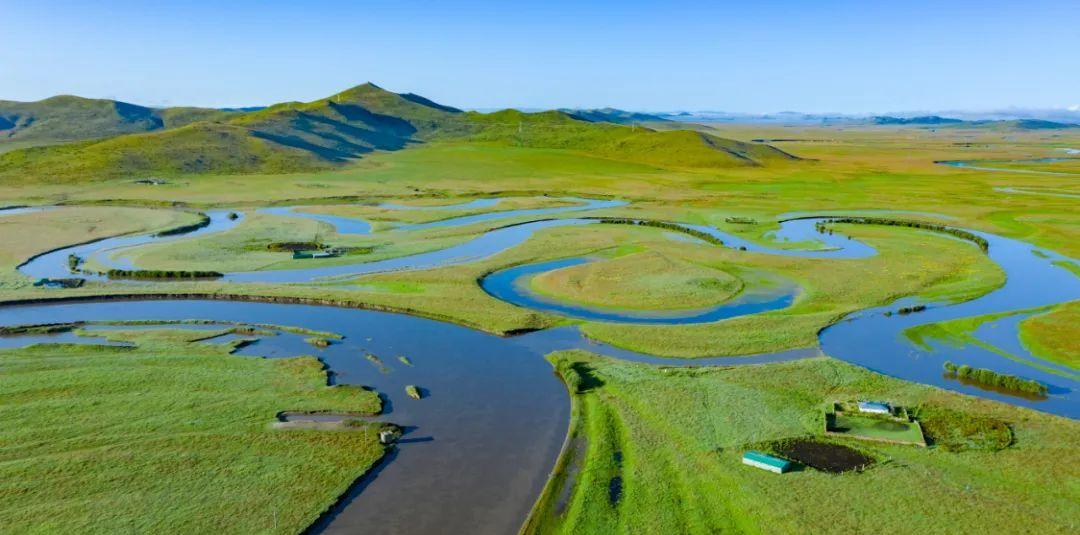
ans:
(202, 413)
(843, 171)
(647, 280)
(387, 218)
(1052, 335)
(70, 118)
(1046, 335)
(856, 425)
(25, 235)
(170, 436)
(334, 131)
(679, 434)
(911, 262)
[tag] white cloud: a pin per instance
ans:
(1074, 107)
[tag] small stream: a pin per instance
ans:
(988, 165)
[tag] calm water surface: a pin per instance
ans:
(479, 446)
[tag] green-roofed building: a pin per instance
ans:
(765, 461)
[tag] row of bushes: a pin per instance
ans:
(959, 233)
(204, 220)
(42, 328)
(667, 225)
(992, 378)
(740, 220)
(290, 246)
(161, 274)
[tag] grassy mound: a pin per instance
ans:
(647, 281)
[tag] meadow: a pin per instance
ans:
(651, 448)
(170, 434)
(845, 171)
(674, 438)
(1051, 335)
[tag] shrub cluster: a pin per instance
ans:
(740, 220)
(565, 369)
(908, 310)
(290, 246)
(954, 431)
(161, 274)
(667, 225)
(203, 222)
(992, 378)
(959, 233)
(73, 262)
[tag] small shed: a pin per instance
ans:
(875, 407)
(765, 461)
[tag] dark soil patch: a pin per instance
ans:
(824, 456)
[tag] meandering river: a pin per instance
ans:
(478, 449)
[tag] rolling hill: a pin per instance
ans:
(69, 118)
(330, 132)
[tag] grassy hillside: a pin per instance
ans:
(302, 136)
(69, 118)
(196, 148)
(674, 148)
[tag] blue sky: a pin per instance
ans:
(752, 56)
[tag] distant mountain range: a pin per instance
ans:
(1021, 119)
(85, 139)
(613, 115)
